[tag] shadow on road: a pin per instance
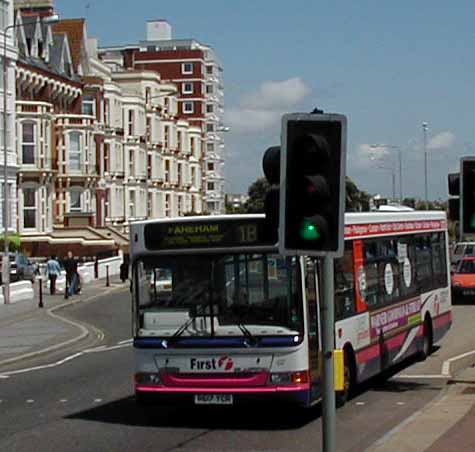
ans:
(127, 412)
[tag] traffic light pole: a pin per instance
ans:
(328, 341)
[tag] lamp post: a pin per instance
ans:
(397, 148)
(393, 177)
(6, 200)
(426, 187)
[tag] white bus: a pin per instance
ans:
(219, 317)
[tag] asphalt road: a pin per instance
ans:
(86, 403)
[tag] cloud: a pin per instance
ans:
(366, 154)
(442, 140)
(263, 108)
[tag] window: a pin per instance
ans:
(187, 107)
(131, 122)
(89, 106)
(209, 89)
(210, 166)
(28, 143)
(187, 68)
(148, 95)
(187, 88)
(344, 284)
(3, 14)
(29, 208)
(209, 108)
(75, 201)
(210, 147)
(210, 185)
(209, 127)
(209, 69)
(74, 151)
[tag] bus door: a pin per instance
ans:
(313, 323)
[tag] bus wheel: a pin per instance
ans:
(428, 339)
(349, 375)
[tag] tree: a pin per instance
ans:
(356, 200)
(257, 193)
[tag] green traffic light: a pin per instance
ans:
(472, 221)
(309, 231)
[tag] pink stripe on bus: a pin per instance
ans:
(443, 319)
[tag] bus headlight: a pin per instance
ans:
(144, 378)
(288, 378)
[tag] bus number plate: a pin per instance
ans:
(213, 399)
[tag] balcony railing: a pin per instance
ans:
(81, 170)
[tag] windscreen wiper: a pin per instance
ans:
(185, 326)
(245, 331)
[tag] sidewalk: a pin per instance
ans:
(445, 424)
(26, 330)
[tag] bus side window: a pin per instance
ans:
(423, 262)
(344, 284)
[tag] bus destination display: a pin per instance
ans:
(213, 234)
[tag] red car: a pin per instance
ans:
(463, 279)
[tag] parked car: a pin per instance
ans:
(20, 268)
(463, 280)
(461, 249)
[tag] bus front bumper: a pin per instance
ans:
(162, 395)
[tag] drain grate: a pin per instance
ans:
(469, 391)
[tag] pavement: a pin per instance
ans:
(28, 330)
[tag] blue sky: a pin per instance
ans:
(389, 66)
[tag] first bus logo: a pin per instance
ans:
(224, 362)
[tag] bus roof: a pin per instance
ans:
(350, 217)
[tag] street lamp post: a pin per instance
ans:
(426, 187)
(397, 148)
(6, 200)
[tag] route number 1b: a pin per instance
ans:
(248, 234)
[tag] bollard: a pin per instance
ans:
(40, 282)
(96, 268)
(66, 289)
(107, 276)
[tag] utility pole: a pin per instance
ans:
(426, 187)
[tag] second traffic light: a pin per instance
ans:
(312, 194)
(467, 204)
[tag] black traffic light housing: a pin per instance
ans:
(312, 195)
(467, 192)
(454, 196)
(271, 167)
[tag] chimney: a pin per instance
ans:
(158, 30)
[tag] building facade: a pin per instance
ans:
(7, 88)
(97, 146)
(198, 75)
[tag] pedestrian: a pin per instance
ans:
(53, 270)
(71, 267)
(124, 268)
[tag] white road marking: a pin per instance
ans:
(63, 400)
(101, 348)
(447, 363)
(419, 376)
(360, 403)
(4, 377)
(30, 401)
(97, 400)
(127, 341)
(400, 403)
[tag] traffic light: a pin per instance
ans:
(454, 199)
(312, 200)
(467, 205)
(271, 167)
